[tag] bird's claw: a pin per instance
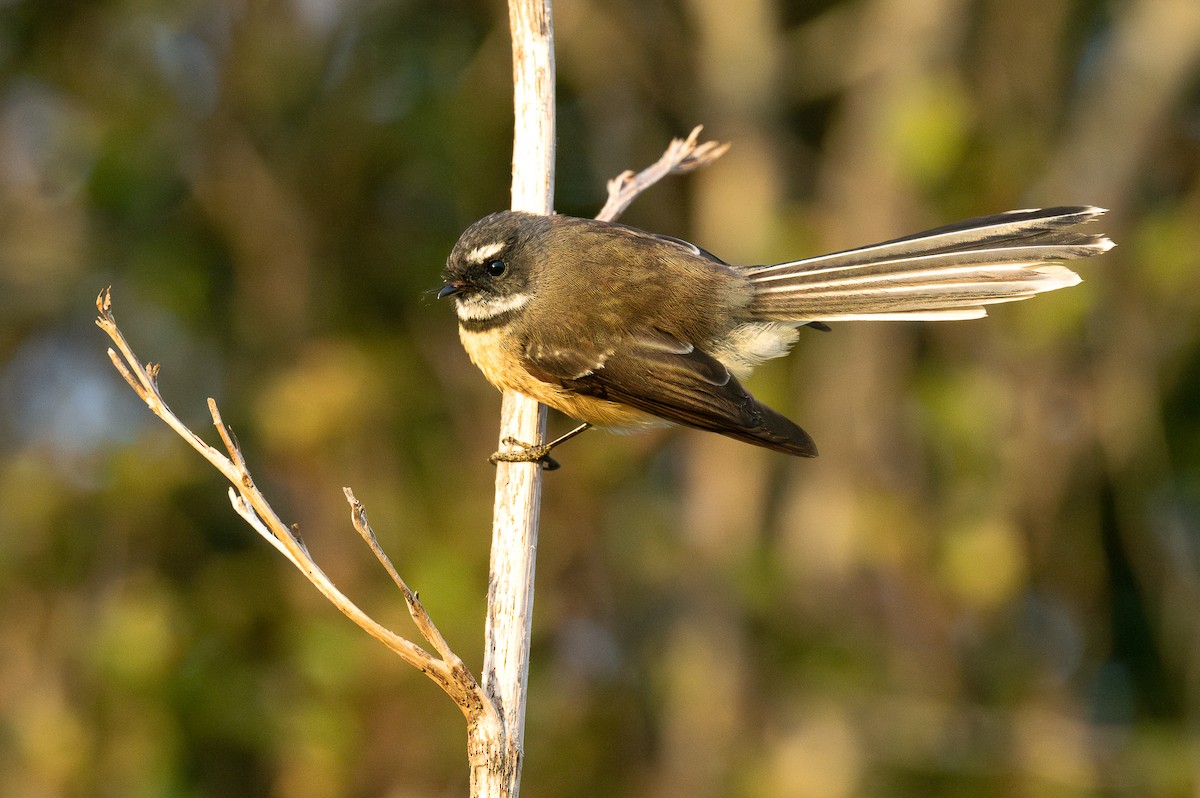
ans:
(525, 453)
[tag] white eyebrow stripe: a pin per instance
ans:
(482, 253)
(479, 309)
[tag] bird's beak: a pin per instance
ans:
(450, 289)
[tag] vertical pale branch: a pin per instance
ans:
(533, 103)
(518, 485)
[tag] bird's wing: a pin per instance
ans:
(688, 247)
(659, 374)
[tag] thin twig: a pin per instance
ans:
(420, 616)
(681, 155)
(449, 673)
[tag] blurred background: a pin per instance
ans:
(987, 585)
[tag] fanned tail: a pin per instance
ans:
(950, 272)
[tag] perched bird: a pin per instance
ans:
(617, 327)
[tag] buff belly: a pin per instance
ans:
(502, 366)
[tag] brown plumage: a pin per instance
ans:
(616, 326)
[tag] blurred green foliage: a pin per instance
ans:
(987, 585)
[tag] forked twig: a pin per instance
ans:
(681, 155)
(420, 616)
(448, 672)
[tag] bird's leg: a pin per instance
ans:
(526, 453)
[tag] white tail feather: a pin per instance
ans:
(948, 273)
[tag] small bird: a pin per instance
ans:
(615, 326)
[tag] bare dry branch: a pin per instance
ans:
(496, 761)
(681, 155)
(449, 672)
(420, 616)
(497, 771)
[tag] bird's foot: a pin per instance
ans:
(528, 453)
(525, 453)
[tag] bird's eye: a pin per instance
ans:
(495, 267)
